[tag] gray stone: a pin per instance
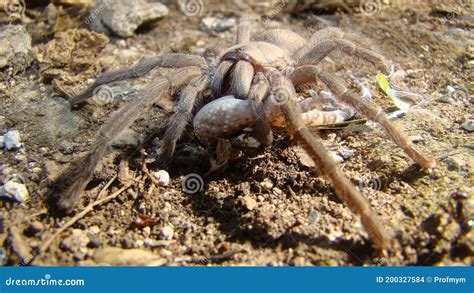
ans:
(216, 24)
(249, 202)
(163, 177)
(123, 17)
(12, 140)
(468, 125)
(167, 233)
(15, 190)
(128, 137)
(15, 48)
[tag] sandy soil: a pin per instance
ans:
(268, 207)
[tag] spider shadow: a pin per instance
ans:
(240, 226)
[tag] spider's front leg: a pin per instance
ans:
(257, 94)
(313, 145)
(69, 186)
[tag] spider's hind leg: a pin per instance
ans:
(309, 73)
(313, 145)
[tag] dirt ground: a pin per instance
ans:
(268, 207)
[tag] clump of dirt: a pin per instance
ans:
(71, 58)
(269, 207)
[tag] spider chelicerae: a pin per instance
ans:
(252, 84)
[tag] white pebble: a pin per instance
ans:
(266, 185)
(216, 24)
(16, 191)
(12, 139)
(416, 138)
(468, 125)
(167, 233)
(163, 177)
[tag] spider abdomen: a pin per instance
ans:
(218, 120)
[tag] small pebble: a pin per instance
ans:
(12, 139)
(115, 256)
(123, 18)
(94, 242)
(35, 227)
(128, 137)
(14, 190)
(277, 191)
(94, 229)
(162, 177)
(216, 24)
(346, 153)
(468, 125)
(416, 138)
(156, 243)
(121, 43)
(167, 233)
(313, 216)
(249, 202)
(455, 163)
(266, 185)
(146, 231)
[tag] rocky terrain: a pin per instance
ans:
(269, 206)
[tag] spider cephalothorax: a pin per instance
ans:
(253, 85)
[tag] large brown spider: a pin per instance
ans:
(258, 78)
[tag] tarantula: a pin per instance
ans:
(253, 84)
